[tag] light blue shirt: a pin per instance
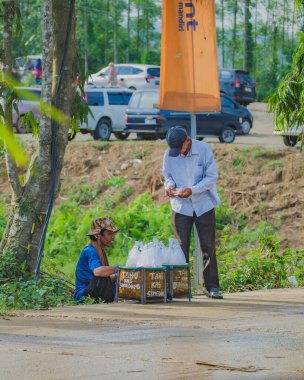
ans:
(196, 171)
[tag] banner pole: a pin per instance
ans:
(197, 254)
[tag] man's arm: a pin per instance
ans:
(99, 270)
(211, 175)
(169, 182)
(104, 271)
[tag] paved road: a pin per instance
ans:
(260, 135)
(257, 335)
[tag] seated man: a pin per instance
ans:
(94, 276)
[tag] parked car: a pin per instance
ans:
(29, 101)
(237, 84)
(291, 135)
(135, 76)
(108, 107)
(144, 118)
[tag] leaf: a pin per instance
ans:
(16, 108)
(12, 146)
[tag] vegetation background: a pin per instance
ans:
(255, 35)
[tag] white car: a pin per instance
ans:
(108, 106)
(290, 136)
(135, 76)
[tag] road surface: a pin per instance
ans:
(255, 335)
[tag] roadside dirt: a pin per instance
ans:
(266, 183)
(256, 335)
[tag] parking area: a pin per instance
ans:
(260, 135)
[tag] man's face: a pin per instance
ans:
(107, 238)
(186, 147)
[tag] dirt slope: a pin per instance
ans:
(267, 184)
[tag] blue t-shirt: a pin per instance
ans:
(88, 261)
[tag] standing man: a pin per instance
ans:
(112, 75)
(190, 174)
(94, 276)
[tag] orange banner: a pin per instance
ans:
(189, 73)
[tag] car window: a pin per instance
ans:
(148, 99)
(224, 74)
(136, 70)
(95, 98)
(154, 71)
(127, 96)
(117, 99)
(245, 78)
(134, 100)
(225, 102)
(124, 70)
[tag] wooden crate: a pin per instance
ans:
(178, 281)
(143, 284)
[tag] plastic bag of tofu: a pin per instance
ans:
(134, 254)
(151, 255)
(175, 255)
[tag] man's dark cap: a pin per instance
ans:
(176, 136)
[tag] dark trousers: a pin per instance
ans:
(205, 225)
(101, 288)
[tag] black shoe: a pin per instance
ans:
(215, 293)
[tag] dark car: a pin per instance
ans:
(143, 118)
(237, 84)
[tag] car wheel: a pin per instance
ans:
(121, 135)
(246, 126)
(290, 140)
(132, 88)
(103, 130)
(227, 135)
(21, 126)
(200, 138)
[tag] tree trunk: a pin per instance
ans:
(248, 42)
(293, 24)
(8, 17)
(128, 32)
(31, 205)
(115, 31)
(138, 31)
(234, 32)
(223, 33)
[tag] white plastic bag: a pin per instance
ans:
(151, 254)
(175, 254)
(134, 254)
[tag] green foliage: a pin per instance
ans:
(1, 149)
(262, 268)
(287, 102)
(9, 267)
(101, 145)
(85, 194)
(115, 182)
(26, 294)
(138, 154)
(3, 209)
(275, 164)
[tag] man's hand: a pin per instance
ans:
(185, 193)
(170, 192)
